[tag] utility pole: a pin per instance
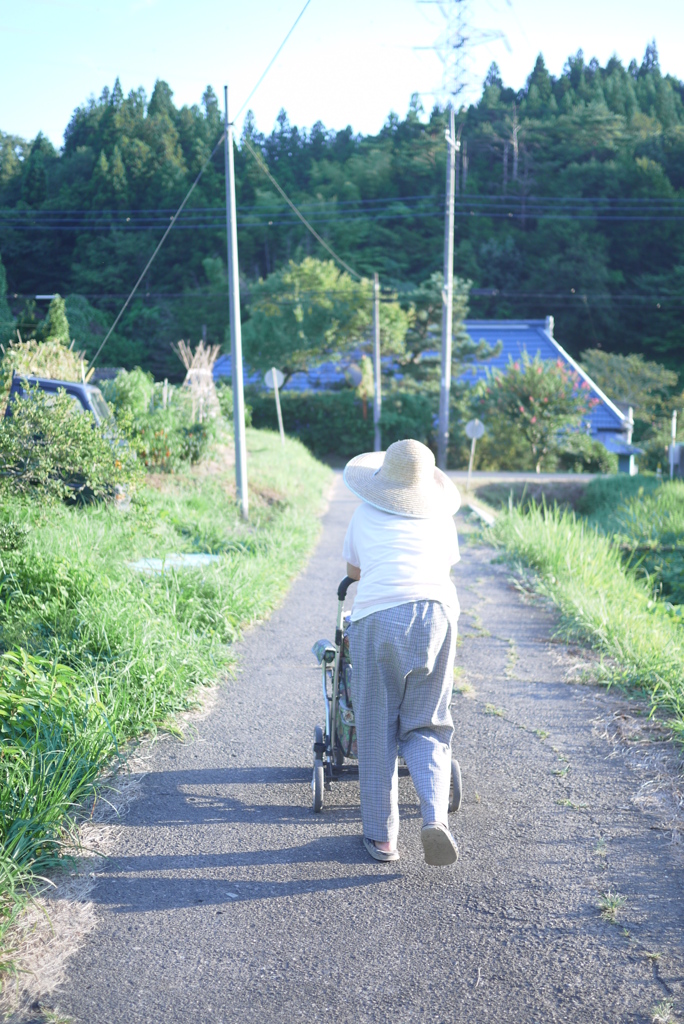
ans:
(447, 295)
(235, 325)
(377, 397)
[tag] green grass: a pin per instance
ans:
(93, 654)
(602, 601)
(646, 519)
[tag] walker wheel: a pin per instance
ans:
(317, 784)
(456, 791)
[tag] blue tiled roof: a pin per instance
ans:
(536, 338)
(516, 336)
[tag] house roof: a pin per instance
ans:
(536, 337)
(516, 336)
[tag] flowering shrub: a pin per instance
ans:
(537, 400)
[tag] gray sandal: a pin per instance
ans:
(439, 846)
(379, 854)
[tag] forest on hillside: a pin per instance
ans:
(571, 203)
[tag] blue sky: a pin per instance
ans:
(347, 63)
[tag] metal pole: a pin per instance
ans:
(377, 377)
(674, 441)
(447, 299)
(278, 409)
(470, 464)
(235, 325)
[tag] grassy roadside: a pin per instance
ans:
(603, 599)
(94, 654)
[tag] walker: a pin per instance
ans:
(334, 747)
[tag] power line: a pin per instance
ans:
(262, 166)
(189, 193)
(361, 211)
(159, 245)
(273, 59)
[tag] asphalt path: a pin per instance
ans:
(227, 900)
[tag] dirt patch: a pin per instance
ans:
(221, 464)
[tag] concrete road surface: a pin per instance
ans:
(228, 900)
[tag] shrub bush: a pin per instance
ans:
(532, 403)
(50, 445)
(332, 423)
(580, 453)
(131, 392)
(160, 430)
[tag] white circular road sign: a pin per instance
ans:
(270, 382)
(474, 429)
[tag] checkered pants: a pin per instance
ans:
(402, 680)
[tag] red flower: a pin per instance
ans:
(521, 409)
(533, 419)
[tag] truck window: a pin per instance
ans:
(104, 413)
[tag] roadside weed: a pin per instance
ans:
(601, 849)
(609, 904)
(663, 1012)
(491, 709)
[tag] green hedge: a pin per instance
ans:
(332, 422)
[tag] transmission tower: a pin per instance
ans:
(454, 47)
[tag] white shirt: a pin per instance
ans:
(401, 559)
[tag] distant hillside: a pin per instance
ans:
(572, 203)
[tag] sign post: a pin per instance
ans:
(673, 447)
(274, 379)
(474, 430)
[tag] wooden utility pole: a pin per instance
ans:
(235, 324)
(447, 296)
(377, 396)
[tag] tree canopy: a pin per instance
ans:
(571, 199)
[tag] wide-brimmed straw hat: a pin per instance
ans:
(403, 480)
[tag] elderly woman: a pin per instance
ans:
(400, 546)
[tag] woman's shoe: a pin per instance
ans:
(379, 854)
(439, 846)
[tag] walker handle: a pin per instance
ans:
(344, 587)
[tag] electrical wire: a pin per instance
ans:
(191, 190)
(261, 164)
(350, 211)
(159, 245)
(273, 59)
